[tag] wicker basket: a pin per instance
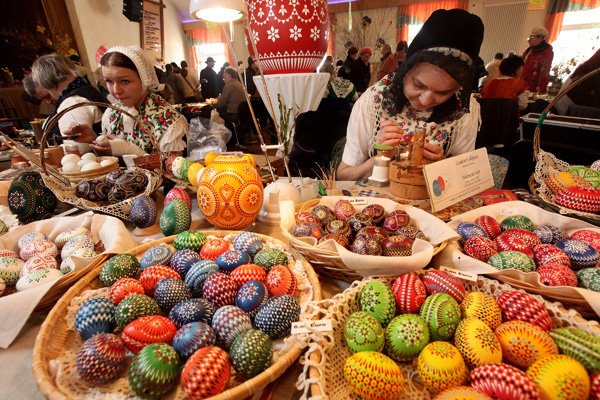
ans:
(325, 261)
(54, 334)
(96, 173)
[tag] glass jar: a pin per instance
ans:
(72, 149)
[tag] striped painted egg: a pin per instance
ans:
(477, 343)
(97, 315)
(205, 373)
(366, 245)
(581, 254)
(517, 221)
(550, 234)
(396, 220)
(220, 290)
(587, 236)
(247, 242)
(191, 240)
(410, 293)
(213, 249)
(550, 254)
(179, 194)
(67, 235)
(151, 275)
(580, 198)
(281, 280)
(192, 337)
(489, 225)
(557, 275)
(248, 272)
(230, 260)
(37, 278)
(363, 332)
(183, 260)
(38, 262)
(143, 212)
(589, 278)
(171, 291)
(197, 275)
(229, 322)
(480, 248)
(512, 243)
(124, 287)
(512, 260)
(503, 381)
(405, 337)
(147, 330)
(323, 213)
(251, 353)
(559, 181)
(251, 297)
(153, 371)
(133, 307)
(38, 247)
(560, 377)
(156, 255)
(30, 237)
(398, 245)
(441, 366)
(268, 258)
(442, 314)
(119, 266)
(10, 268)
(442, 282)
(531, 239)
(307, 229)
(343, 209)
(175, 218)
(101, 358)
(524, 343)
(385, 378)
(523, 307)
(462, 393)
(580, 345)
(377, 299)
(467, 230)
(78, 242)
(192, 310)
(276, 316)
(481, 306)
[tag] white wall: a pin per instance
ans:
(175, 40)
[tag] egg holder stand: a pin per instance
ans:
(547, 163)
(324, 363)
(64, 189)
(57, 335)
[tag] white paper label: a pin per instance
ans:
(468, 276)
(322, 325)
(357, 200)
(508, 211)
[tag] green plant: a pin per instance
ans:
(286, 127)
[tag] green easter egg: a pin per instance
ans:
(363, 332)
(192, 240)
(377, 299)
(175, 218)
(517, 221)
(405, 337)
(512, 260)
(119, 266)
(268, 258)
(153, 371)
(442, 314)
(251, 353)
(133, 307)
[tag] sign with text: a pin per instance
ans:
(456, 178)
(152, 31)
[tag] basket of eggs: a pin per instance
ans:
(96, 183)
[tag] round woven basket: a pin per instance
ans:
(54, 334)
(95, 173)
(325, 261)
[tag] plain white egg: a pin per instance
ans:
(106, 163)
(90, 166)
(101, 138)
(70, 167)
(70, 158)
(83, 161)
(89, 156)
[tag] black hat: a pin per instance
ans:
(209, 59)
(457, 29)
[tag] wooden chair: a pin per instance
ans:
(499, 124)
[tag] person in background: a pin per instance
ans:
(249, 74)
(191, 71)
(175, 67)
(508, 85)
(37, 95)
(81, 70)
(386, 51)
(341, 88)
(493, 70)
(233, 94)
(361, 70)
(175, 83)
(328, 67)
(538, 61)
(584, 99)
(346, 68)
(478, 72)
(395, 60)
(220, 76)
(190, 86)
(338, 65)
(209, 80)
(241, 68)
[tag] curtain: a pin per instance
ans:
(556, 14)
(197, 37)
(416, 14)
(331, 42)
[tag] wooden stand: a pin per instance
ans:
(151, 230)
(406, 176)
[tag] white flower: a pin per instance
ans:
(305, 10)
(273, 34)
(295, 33)
(282, 10)
(271, 3)
(255, 36)
(314, 33)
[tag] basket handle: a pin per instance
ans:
(54, 120)
(538, 128)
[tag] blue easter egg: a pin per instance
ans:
(247, 242)
(276, 316)
(157, 255)
(183, 260)
(232, 259)
(468, 230)
(143, 212)
(171, 291)
(251, 297)
(192, 310)
(96, 315)
(193, 336)
(229, 322)
(581, 254)
(550, 234)
(437, 188)
(197, 275)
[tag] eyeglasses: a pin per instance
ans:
(533, 36)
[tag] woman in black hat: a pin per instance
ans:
(431, 89)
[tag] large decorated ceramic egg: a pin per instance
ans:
(524, 343)
(143, 212)
(462, 393)
(589, 278)
(101, 358)
(385, 378)
(124, 287)
(482, 306)
(251, 297)
(96, 315)
(363, 332)
(93, 190)
(192, 337)
(442, 282)
(147, 330)
(183, 260)
(523, 307)
(441, 366)
(550, 254)
(30, 237)
(276, 316)
(489, 225)
(398, 245)
(405, 337)
(213, 249)
(550, 234)
(175, 218)
(512, 243)
(512, 260)
(587, 236)
(581, 254)
(467, 230)
(503, 381)
(229, 322)
(10, 268)
(377, 299)
(38, 247)
(190, 240)
(156, 255)
(442, 314)
(119, 266)
(205, 373)
(192, 310)
(560, 377)
(343, 209)
(517, 221)
(171, 291)
(580, 198)
(133, 307)
(559, 181)
(477, 343)
(29, 198)
(281, 280)
(580, 345)
(153, 371)
(38, 262)
(247, 242)
(410, 293)
(557, 275)
(480, 248)
(230, 192)
(197, 275)
(220, 289)
(251, 353)
(151, 275)
(37, 278)
(69, 234)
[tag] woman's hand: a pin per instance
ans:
(433, 152)
(102, 148)
(390, 134)
(85, 132)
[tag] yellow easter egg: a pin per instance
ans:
(559, 181)
(374, 376)
(477, 343)
(524, 343)
(560, 377)
(462, 393)
(482, 306)
(193, 173)
(441, 366)
(210, 157)
(250, 158)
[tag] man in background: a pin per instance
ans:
(346, 68)
(209, 80)
(538, 61)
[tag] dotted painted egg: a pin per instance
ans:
(512, 260)
(119, 266)
(183, 260)
(396, 220)
(377, 299)
(531, 239)
(151, 275)
(580, 198)
(589, 278)
(503, 381)
(93, 190)
(30, 237)
(557, 275)
(489, 225)
(176, 166)
(133, 307)
(38, 262)
(467, 230)
(67, 235)
(248, 272)
(441, 366)
(192, 337)
(517, 221)
(366, 245)
(410, 293)
(385, 378)
(37, 278)
(229, 322)
(442, 282)
(192, 310)
(171, 291)
(376, 212)
(550, 254)
(462, 393)
(157, 255)
(247, 242)
(550, 234)
(143, 212)
(153, 371)
(343, 209)
(205, 373)
(559, 181)
(480, 248)
(363, 332)
(477, 343)
(377, 232)
(358, 221)
(481, 306)
(523, 307)
(595, 386)
(251, 297)
(560, 376)
(78, 242)
(213, 249)
(276, 316)
(442, 314)
(8, 253)
(124, 287)
(305, 216)
(581, 254)
(180, 194)
(524, 343)
(323, 213)
(191, 240)
(251, 353)
(197, 275)
(281, 280)
(590, 237)
(405, 337)
(101, 358)
(230, 260)
(397, 246)
(580, 345)
(268, 258)
(96, 315)
(175, 218)
(29, 198)
(38, 247)
(512, 243)
(220, 290)
(147, 330)
(10, 268)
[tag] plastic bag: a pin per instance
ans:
(206, 136)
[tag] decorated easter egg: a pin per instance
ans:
(2, 286)
(550, 234)
(38, 262)
(38, 247)
(550, 254)
(580, 345)
(385, 378)
(185, 167)
(180, 194)
(411, 232)
(251, 353)
(143, 212)
(10, 268)
(101, 358)
(367, 245)
(441, 366)
(30, 237)
(156, 255)
(376, 212)
(489, 225)
(477, 343)
(176, 166)
(531, 239)
(307, 229)
(197, 275)
(175, 218)
(480, 248)
(410, 293)
(557, 275)
(133, 179)
(512, 260)
(580, 198)
(396, 220)
(247, 242)
(192, 337)
(523, 307)
(442, 314)
(120, 193)
(503, 381)
(251, 296)
(442, 282)
(595, 386)
(462, 393)
(230, 193)
(112, 176)
(281, 280)
(171, 291)
(153, 371)
(69, 234)
(467, 230)
(68, 265)
(512, 243)
(151, 275)
(220, 289)
(183, 260)
(592, 177)
(38, 277)
(481, 306)
(213, 249)
(587, 236)
(248, 272)
(305, 216)
(190, 240)
(559, 181)
(398, 245)
(205, 373)
(581, 254)
(343, 209)
(119, 266)
(377, 299)
(78, 242)
(323, 213)
(589, 278)
(560, 377)
(358, 221)
(133, 307)
(93, 190)
(363, 332)
(517, 221)
(405, 337)
(340, 227)
(341, 240)
(276, 316)
(29, 198)
(97, 315)
(146, 330)
(268, 258)
(231, 259)
(524, 343)
(192, 310)
(230, 321)
(8, 253)
(124, 287)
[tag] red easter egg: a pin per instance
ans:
(177, 193)
(587, 236)
(343, 209)
(305, 216)
(595, 386)
(151, 275)
(480, 248)
(375, 231)
(220, 289)
(523, 307)
(100, 358)
(281, 280)
(580, 198)
(398, 245)
(396, 220)
(557, 275)
(410, 293)
(531, 239)
(205, 373)
(511, 243)
(213, 249)
(125, 287)
(147, 330)
(248, 272)
(503, 381)
(489, 225)
(550, 254)
(443, 282)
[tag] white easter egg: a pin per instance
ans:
(89, 156)
(101, 138)
(70, 167)
(69, 158)
(91, 166)
(84, 161)
(106, 163)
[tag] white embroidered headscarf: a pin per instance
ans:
(143, 65)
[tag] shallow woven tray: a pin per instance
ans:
(54, 334)
(325, 261)
(80, 176)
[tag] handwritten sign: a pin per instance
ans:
(469, 276)
(323, 325)
(152, 30)
(456, 178)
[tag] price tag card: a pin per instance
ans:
(322, 325)
(456, 178)
(468, 276)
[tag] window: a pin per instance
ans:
(214, 50)
(578, 37)
(412, 32)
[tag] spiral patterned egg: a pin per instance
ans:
(205, 373)
(503, 381)
(441, 366)
(153, 371)
(560, 377)
(386, 381)
(442, 314)
(151, 275)
(170, 292)
(192, 337)
(147, 330)
(524, 343)
(96, 315)
(410, 293)
(101, 358)
(481, 306)
(192, 310)
(229, 322)
(197, 275)
(156, 255)
(183, 260)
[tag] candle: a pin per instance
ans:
(381, 170)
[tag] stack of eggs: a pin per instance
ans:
(515, 243)
(39, 259)
(184, 169)
(204, 304)
(577, 188)
(505, 348)
(87, 162)
(369, 232)
(117, 186)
